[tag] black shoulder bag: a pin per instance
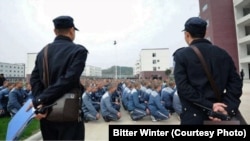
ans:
(238, 119)
(67, 107)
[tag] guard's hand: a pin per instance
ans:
(40, 116)
(219, 107)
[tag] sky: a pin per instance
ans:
(26, 27)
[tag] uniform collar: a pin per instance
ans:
(61, 37)
(200, 41)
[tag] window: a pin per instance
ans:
(154, 68)
(248, 49)
(204, 8)
(154, 61)
(159, 68)
(246, 11)
(153, 54)
(247, 30)
(158, 60)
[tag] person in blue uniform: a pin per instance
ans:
(136, 109)
(66, 62)
(167, 94)
(193, 86)
(17, 98)
(108, 112)
(4, 98)
(157, 110)
(125, 93)
(89, 111)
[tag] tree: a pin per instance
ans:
(168, 72)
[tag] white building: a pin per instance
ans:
(137, 68)
(31, 58)
(12, 70)
(92, 71)
(88, 70)
(153, 62)
(242, 21)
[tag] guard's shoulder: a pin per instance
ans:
(82, 47)
(178, 50)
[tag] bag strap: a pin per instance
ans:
(45, 67)
(209, 76)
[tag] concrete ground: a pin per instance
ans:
(98, 130)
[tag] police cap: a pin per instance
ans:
(196, 26)
(62, 22)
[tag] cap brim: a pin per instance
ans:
(76, 29)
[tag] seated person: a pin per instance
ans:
(177, 104)
(109, 113)
(95, 99)
(146, 93)
(115, 99)
(4, 98)
(136, 109)
(17, 97)
(125, 93)
(157, 110)
(89, 111)
(167, 94)
(5, 84)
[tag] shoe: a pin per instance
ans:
(153, 118)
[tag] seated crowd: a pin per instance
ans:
(13, 96)
(105, 97)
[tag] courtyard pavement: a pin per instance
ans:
(98, 130)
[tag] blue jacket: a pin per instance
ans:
(167, 96)
(4, 94)
(125, 94)
(17, 97)
(154, 103)
(87, 105)
(106, 105)
(134, 101)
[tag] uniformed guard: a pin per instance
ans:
(66, 62)
(192, 83)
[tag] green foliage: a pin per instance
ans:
(32, 128)
(168, 72)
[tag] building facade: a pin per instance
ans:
(92, 71)
(242, 19)
(13, 72)
(153, 63)
(219, 15)
(137, 68)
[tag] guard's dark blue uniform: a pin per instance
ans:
(194, 87)
(66, 62)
